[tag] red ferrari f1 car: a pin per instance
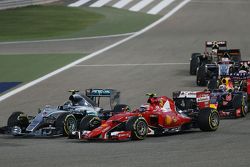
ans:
(159, 116)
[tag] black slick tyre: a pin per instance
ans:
(194, 63)
(89, 122)
(16, 119)
(212, 84)
(70, 124)
(208, 119)
(59, 124)
(244, 107)
(138, 127)
(201, 76)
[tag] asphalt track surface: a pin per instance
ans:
(172, 41)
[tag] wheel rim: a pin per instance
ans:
(214, 120)
(71, 125)
(141, 128)
(244, 108)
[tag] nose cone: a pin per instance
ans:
(97, 132)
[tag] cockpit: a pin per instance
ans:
(78, 100)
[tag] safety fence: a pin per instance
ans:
(7, 4)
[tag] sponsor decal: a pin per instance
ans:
(102, 92)
(168, 120)
(174, 119)
(203, 98)
(104, 125)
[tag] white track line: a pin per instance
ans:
(100, 3)
(163, 4)
(68, 39)
(120, 4)
(137, 7)
(78, 3)
(32, 83)
(119, 65)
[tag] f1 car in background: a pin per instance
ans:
(230, 94)
(228, 61)
(61, 120)
(229, 103)
(208, 57)
(236, 74)
(159, 116)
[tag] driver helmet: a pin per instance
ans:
(226, 57)
(75, 99)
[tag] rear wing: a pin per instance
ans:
(231, 52)
(246, 63)
(96, 94)
(234, 54)
(210, 44)
(238, 76)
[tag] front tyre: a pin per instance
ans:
(208, 119)
(65, 123)
(138, 127)
(70, 124)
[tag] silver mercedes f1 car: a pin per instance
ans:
(62, 120)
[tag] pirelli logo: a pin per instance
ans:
(203, 99)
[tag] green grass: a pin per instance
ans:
(39, 22)
(25, 68)
(47, 22)
(117, 21)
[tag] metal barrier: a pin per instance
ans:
(7, 4)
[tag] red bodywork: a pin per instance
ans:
(160, 111)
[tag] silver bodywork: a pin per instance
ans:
(43, 123)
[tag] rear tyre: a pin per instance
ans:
(212, 84)
(138, 127)
(89, 123)
(201, 76)
(194, 63)
(237, 101)
(18, 119)
(208, 119)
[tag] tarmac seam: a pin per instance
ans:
(119, 65)
(69, 39)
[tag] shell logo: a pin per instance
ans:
(168, 120)
(161, 103)
(104, 125)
